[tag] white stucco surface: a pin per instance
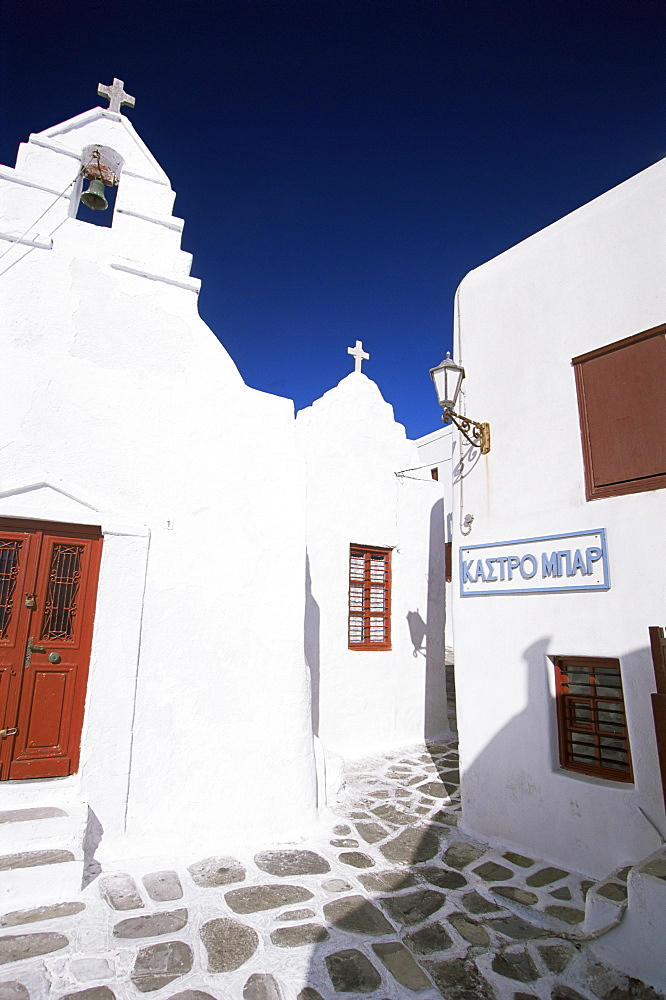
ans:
(123, 409)
(367, 700)
(592, 278)
(436, 452)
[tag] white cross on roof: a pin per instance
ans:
(115, 94)
(358, 355)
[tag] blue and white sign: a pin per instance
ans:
(552, 564)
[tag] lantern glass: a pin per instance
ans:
(447, 377)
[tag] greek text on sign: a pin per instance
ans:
(563, 563)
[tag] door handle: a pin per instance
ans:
(4, 733)
(53, 657)
(32, 648)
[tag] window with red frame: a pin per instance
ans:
(369, 598)
(591, 719)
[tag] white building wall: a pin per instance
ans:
(365, 701)
(436, 452)
(119, 396)
(590, 279)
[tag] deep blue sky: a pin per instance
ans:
(341, 164)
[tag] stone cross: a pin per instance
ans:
(358, 355)
(115, 94)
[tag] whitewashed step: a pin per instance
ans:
(41, 827)
(636, 945)
(41, 854)
(63, 792)
(605, 904)
(35, 878)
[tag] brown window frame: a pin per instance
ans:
(594, 491)
(448, 561)
(599, 729)
(367, 552)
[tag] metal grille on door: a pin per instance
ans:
(9, 555)
(64, 579)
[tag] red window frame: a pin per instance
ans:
(617, 426)
(365, 577)
(592, 725)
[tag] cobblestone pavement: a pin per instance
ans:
(390, 902)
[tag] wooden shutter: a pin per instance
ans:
(621, 389)
(369, 598)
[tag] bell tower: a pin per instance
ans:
(101, 150)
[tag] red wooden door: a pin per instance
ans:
(48, 588)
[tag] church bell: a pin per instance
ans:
(94, 196)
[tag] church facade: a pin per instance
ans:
(163, 627)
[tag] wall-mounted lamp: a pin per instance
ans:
(448, 377)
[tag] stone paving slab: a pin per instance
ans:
(398, 903)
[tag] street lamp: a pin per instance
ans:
(448, 377)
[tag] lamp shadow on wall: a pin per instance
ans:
(417, 632)
(470, 456)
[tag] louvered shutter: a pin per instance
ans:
(369, 598)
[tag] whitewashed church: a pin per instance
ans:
(180, 654)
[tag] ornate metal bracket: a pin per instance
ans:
(480, 433)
